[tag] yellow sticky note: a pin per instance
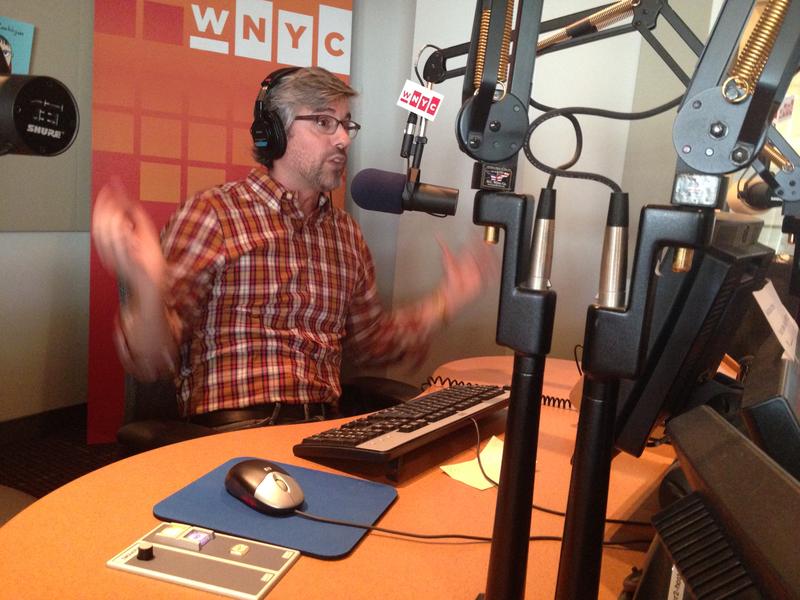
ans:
(469, 472)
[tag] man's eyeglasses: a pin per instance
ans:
(328, 124)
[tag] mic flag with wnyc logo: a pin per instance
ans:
(420, 100)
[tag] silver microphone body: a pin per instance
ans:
(544, 229)
(614, 262)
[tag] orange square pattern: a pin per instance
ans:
(209, 99)
(242, 151)
(112, 131)
(160, 93)
(159, 182)
(114, 89)
(207, 143)
(242, 100)
(160, 137)
(200, 178)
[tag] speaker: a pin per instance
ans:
(267, 130)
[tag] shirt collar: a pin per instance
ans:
(280, 199)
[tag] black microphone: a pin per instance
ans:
(38, 115)
(384, 191)
(757, 196)
(408, 135)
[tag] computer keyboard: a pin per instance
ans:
(387, 435)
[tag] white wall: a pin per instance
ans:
(44, 301)
(381, 47)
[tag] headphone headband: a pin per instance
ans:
(273, 78)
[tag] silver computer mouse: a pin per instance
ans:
(264, 486)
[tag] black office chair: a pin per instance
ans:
(12, 501)
(152, 419)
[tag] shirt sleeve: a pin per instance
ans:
(194, 247)
(378, 337)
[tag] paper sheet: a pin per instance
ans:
(469, 472)
(779, 319)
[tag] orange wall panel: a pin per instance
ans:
(112, 131)
(161, 137)
(207, 143)
(160, 182)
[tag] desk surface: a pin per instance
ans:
(57, 548)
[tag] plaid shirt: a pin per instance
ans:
(267, 297)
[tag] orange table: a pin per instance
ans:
(57, 547)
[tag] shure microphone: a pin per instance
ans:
(384, 191)
(38, 115)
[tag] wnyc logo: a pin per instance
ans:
(420, 100)
(245, 28)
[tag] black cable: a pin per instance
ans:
(550, 511)
(426, 536)
(576, 126)
(611, 114)
(555, 171)
(547, 400)
(575, 356)
(443, 382)
(478, 455)
(739, 187)
(461, 536)
(416, 62)
(550, 112)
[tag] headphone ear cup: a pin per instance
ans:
(278, 134)
(268, 135)
(267, 130)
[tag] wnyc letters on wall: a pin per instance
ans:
(246, 28)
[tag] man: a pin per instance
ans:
(261, 281)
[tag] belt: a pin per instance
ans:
(275, 413)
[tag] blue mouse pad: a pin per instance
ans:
(206, 503)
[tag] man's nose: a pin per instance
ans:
(341, 137)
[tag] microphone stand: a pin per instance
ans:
(524, 324)
(615, 343)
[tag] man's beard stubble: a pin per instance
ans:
(325, 176)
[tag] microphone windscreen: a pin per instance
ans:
(373, 189)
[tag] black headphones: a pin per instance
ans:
(267, 130)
